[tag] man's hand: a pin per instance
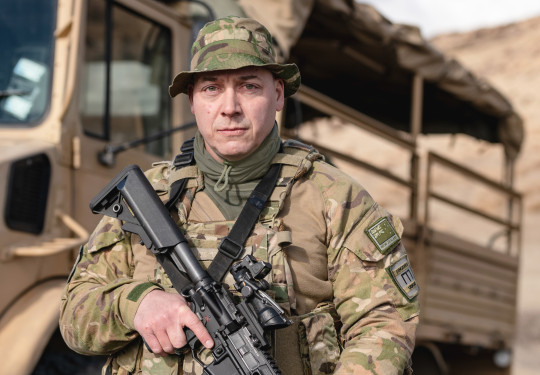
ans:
(161, 318)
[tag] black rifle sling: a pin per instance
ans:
(231, 247)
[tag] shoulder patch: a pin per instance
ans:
(402, 274)
(383, 235)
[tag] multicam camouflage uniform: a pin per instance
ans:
(338, 270)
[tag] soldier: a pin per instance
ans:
(339, 271)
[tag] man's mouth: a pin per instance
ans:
(232, 131)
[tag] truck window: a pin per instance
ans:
(126, 75)
(27, 51)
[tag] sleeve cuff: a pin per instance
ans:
(134, 295)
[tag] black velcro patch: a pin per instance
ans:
(136, 292)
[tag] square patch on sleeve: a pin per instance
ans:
(383, 235)
(401, 273)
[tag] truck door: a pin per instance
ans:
(128, 63)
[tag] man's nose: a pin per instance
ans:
(231, 105)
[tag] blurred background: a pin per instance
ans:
(431, 105)
(499, 41)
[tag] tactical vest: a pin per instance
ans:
(311, 344)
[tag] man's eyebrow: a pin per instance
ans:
(251, 76)
(212, 78)
(208, 78)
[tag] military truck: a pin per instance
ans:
(83, 92)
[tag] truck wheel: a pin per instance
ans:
(425, 361)
(58, 359)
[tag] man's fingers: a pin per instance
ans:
(191, 321)
(152, 343)
(177, 337)
(161, 318)
(165, 343)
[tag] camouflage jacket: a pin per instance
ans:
(343, 250)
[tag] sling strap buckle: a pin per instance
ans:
(230, 248)
(186, 157)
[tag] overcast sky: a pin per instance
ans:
(441, 16)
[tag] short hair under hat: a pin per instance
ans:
(234, 43)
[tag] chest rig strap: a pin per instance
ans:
(231, 247)
(185, 158)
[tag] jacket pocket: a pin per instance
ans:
(310, 346)
(126, 361)
(318, 338)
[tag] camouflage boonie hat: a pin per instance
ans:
(233, 43)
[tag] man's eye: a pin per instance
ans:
(210, 88)
(250, 86)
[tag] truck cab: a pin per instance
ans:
(79, 81)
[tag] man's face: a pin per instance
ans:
(235, 109)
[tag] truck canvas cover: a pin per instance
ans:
(349, 51)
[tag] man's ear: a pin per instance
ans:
(280, 94)
(190, 96)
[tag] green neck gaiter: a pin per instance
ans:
(229, 184)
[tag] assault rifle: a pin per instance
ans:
(238, 328)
